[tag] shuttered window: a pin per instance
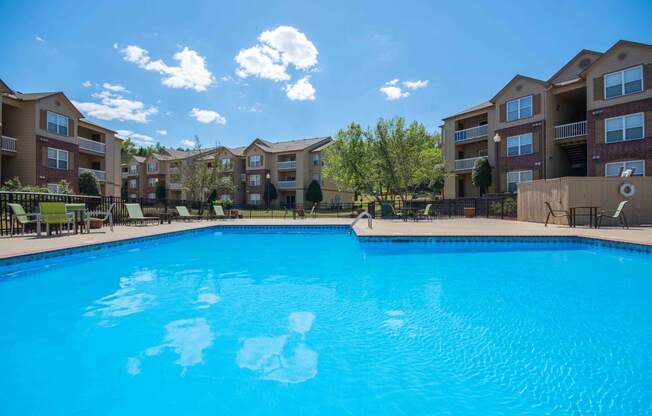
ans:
(57, 124)
(624, 82)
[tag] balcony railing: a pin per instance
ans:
(472, 133)
(124, 174)
(174, 170)
(466, 164)
(566, 131)
(8, 144)
(174, 186)
(92, 145)
(99, 174)
(287, 164)
(286, 184)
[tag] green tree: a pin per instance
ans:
(127, 150)
(88, 184)
(481, 175)
(202, 174)
(313, 193)
(269, 194)
(160, 191)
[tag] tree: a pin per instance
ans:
(127, 150)
(269, 194)
(202, 174)
(88, 184)
(481, 175)
(313, 193)
(160, 191)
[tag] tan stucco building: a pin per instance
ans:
(593, 117)
(45, 139)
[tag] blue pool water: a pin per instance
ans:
(279, 322)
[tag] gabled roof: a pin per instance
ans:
(37, 96)
(482, 106)
(322, 147)
(572, 60)
(612, 49)
(139, 159)
(289, 145)
(4, 88)
(90, 123)
(515, 79)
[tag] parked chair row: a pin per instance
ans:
(617, 214)
(56, 215)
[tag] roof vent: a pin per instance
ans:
(622, 56)
(584, 63)
(519, 87)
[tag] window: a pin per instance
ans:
(519, 145)
(519, 108)
(623, 82)
(133, 196)
(616, 168)
(57, 123)
(132, 183)
(151, 195)
(133, 169)
(152, 167)
(55, 188)
(226, 163)
(316, 159)
(57, 158)
(515, 177)
(618, 129)
(152, 182)
(254, 199)
(255, 161)
(243, 177)
(254, 180)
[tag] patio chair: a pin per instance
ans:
(397, 214)
(427, 212)
(556, 213)
(219, 212)
(101, 216)
(313, 212)
(301, 213)
(617, 214)
(22, 218)
(136, 215)
(184, 214)
(55, 214)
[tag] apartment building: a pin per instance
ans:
(45, 139)
(593, 117)
(289, 165)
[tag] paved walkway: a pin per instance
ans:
(445, 227)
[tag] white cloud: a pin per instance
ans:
(415, 85)
(191, 73)
(302, 90)
(393, 93)
(188, 143)
(115, 46)
(114, 106)
(114, 87)
(392, 82)
(207, 116)
(39, 39)
(250, 108)
(278, 49)
(86, 84)
(162, 132)
(138, 138)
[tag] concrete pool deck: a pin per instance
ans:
(22, 245)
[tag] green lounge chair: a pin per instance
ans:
(136, 215)
(185, 215)
(427, 213)
(22, 218)
(55, 214)
(219, 212)
(398, 213)
(618, 214)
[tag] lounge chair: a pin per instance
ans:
(427, 213)
(397, 214)
(299, 212)
(218, 212)
(101, 216)
(22, 218)
(617, 214)
(185, 214)
(556, 213)
(136, 215)
(313, 212)
(55, 213)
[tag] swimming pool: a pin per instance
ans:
(317, 321)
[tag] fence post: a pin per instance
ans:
(502, 209)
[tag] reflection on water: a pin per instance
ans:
(188, 338)
(123, 302)
(284, 358)
(206, 300)
(394, 323)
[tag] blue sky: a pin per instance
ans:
(230, 72)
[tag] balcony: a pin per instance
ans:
(287, 165)
(92, 145)
(567, 131)
(286, 184)
(174, 170)
(174, 186)
(472, 133)
(100, 175)
(466, 164)
(8, 144)
(124, 174)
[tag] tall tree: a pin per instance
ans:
(127, 150)
(269, 194)
(88, 184)
(202, 174)
(481, 175)
(313, 193)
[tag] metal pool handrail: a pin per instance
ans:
(360, 216)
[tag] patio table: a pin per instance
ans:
(80, 217)
(592, 213)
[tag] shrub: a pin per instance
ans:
(313, 193)
(508, 207)
(481, 175)
(88, 184)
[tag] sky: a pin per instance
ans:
(229, 72)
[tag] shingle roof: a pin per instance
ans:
(289, 145)
(322, 147)
(482, 106)
(33, 96)
(139, 159)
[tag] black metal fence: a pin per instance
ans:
(490, 206)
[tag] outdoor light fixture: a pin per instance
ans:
(497, 138)
(267, 175)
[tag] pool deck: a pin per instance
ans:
(29, 244)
